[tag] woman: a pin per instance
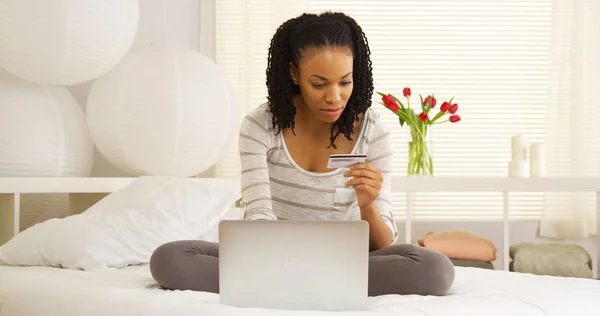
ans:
(319, 90)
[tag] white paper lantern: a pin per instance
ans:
(65, 42)
(42, 131)
(165, 111)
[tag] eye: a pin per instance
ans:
(318, 86)
(345, 83)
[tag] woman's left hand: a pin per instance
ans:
(366, 181)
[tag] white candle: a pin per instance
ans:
(518, 147)
(517, 168)
(537, 154)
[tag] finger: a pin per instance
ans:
(365, 166)
(367, 188)
(362, 180)
(367, 173)
(376, 183)
(362, 174)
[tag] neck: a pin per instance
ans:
(310, 125)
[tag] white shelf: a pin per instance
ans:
(496, 184)
(503, 185)
(62, 185)
(400, 183)
(84, 192)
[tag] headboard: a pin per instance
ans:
(83, 193)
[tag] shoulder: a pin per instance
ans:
(378, 141)
(259, 119)
(377, 127)
(374, 116)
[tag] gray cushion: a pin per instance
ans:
(556, 259)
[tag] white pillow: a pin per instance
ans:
(212, 234)
(125, 227)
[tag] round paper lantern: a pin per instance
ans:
(65, 42)
(42, 131)
(165, 110)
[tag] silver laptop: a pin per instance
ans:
(294, 265)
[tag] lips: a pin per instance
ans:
(332, 112)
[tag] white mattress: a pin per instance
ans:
(131, 291)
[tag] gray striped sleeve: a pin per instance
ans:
(381, 156)
(254, 143)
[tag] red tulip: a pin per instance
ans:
(431, 100)
(423, 117)
(406, 92)
(445, 106)
(453, 108)
(454, 118)
(390, 102)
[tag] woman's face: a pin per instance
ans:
(324, 76)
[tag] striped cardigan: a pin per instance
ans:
(275, 187)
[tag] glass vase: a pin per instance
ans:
(420, 161)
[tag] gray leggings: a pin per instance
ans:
(397, 269)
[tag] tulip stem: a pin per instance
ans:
(420, 161)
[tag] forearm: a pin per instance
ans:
(380, 235)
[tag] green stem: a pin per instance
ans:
(420, 161)
(406, 118)
(440, 114)
(437, 116)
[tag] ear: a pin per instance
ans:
(294, 73)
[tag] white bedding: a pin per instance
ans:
(132, 291)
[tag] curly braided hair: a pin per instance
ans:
(311, 31)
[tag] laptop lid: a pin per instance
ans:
(298, 265)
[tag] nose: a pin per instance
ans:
(333, 95)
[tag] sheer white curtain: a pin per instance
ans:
(572, 138)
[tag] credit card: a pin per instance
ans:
(345, 160)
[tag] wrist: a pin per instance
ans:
(368, 209)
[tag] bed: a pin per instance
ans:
(132, 291)
(95, 262)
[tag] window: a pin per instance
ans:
(498, 58)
